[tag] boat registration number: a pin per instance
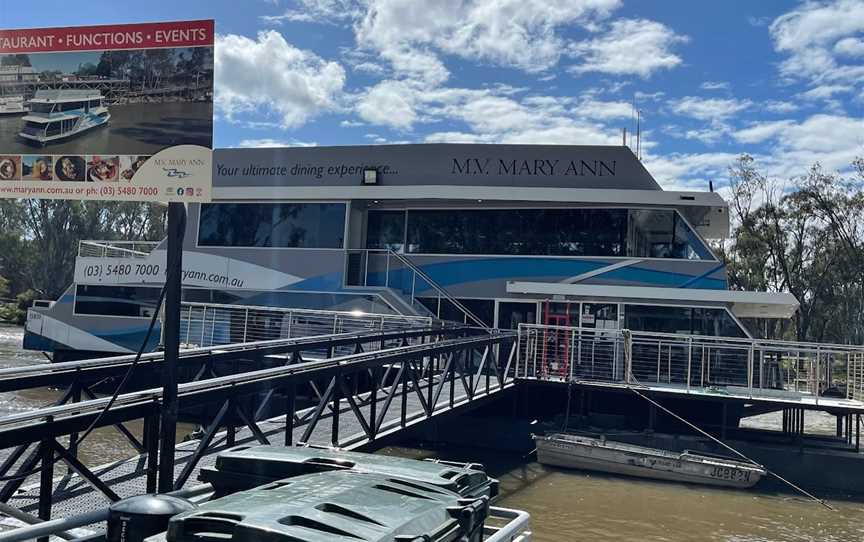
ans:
(730, 473)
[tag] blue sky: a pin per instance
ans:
(783, 81)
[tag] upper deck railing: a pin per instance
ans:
(746, 366)
(391, 269)
(211, 324)
(116, 249)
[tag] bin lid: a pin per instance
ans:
(333, 506)
(277, 462)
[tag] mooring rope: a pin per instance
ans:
(712, 437)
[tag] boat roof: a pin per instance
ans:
(45, 120)
(448, 172)
(65, 95)
(743, 304)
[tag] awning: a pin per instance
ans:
(742, 304)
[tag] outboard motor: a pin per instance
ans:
(136, 518)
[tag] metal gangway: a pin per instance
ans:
(349, 390)
(752, 367)
(753, 375)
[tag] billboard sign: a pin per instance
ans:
(119, 112)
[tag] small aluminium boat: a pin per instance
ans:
(598, 454)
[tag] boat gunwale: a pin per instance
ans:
(634, 449)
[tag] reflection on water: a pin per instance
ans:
(133, 129)
(573, 505)
(103, 445)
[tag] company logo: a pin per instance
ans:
(174, 172)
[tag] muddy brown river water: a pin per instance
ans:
(569, 505)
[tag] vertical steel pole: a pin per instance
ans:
(168, 431)
(290, 407)
(151, 441)
(45, 481)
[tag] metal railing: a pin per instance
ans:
(211, 324)
(855, 380)
(402, 274)
(690, 361)
(116, 249)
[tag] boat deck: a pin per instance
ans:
(779, 398)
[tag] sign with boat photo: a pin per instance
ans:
(86, 112)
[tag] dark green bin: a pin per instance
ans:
(335, 506)
(245, 467)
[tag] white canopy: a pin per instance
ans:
(742, 304)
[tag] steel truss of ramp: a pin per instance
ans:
(390, 380)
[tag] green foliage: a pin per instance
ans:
(39, 238)
(805, 237)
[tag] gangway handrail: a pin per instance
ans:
(118, 246)
(235, 381)
(221, 350)
(803, 346)
(440, 289)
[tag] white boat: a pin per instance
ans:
(13, 105)
(59, 114)
(598, 454)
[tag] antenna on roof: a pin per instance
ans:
(624, 136)
(638, 134)
(710, 185)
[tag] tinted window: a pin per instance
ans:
(559, 232)
(272, 225)
(663, 234)
(116, 300)
(386, 229)
(687, 320)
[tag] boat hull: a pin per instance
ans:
(43, 140)
(594, 456)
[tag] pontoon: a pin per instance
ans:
(12, 105)
(491, 235)
(59, 114)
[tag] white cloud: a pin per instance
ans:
(270, 74)
(824, 92)
(778, 106)
(351, 124)
(598, 109)
(832, 140)
(317, 11)
(714, 85)
(761, 131)
(630, 47)
(813, 34)
(708, 136)
(683, 171)
(537, 120)
(850, 47)
(269, 143)
(516, 33)
(391, 103)
(709, 109)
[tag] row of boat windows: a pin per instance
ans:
(272, 225)
(711, 322)
(64, 106)
(558, 232)
(140, 302)
(555, 232)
